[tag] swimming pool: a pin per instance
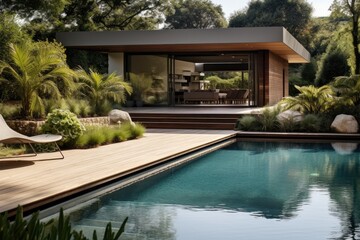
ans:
(246, 190)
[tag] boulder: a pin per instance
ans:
(344, 148)
(345, 124)
(290, 115)
(117, 116)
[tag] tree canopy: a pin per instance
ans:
(10, 32)
(195, 14)
(350, 9)
(294, 15)
(43, 18)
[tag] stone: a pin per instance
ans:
(345, 124)
(290, 115)
(344, 148)
(117, 116)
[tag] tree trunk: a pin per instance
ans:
(355, 35)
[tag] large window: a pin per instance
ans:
(216, 79)
(149, 77)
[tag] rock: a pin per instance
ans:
(117, 116)
(345, 124)
(343, 148)
(290, 115)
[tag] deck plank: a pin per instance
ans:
(46, 179)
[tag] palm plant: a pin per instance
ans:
(348, 88)
(99, 87)
(33, 73)
(311, 99)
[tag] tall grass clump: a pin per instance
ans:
(9, 111)
(96, 135)
(248, 123)
(312, 123)
(268, 119)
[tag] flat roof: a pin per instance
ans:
(275, 39)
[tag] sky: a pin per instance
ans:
(321, 7)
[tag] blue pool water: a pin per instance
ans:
(246, 190)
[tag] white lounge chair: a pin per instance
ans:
(9, 136)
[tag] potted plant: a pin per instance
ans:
(141, 83)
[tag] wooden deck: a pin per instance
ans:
(33, 182)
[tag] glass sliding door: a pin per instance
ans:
(148, 75)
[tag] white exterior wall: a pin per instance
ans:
(116, 63)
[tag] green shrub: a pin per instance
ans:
(34, 229)
(247, 123)
(64, 123)
(312, 123)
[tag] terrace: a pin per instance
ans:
(33, 182)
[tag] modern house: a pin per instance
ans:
(179, 60)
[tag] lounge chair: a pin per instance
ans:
(9, 136)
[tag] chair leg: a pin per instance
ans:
(62, 155)
(34, 154)
(57, 146)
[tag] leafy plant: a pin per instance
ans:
(34, 229)
(65, 123)
(311, 99)
(33, 73)
(348, 88)
(98, 88)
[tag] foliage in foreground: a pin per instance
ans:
(34, 229)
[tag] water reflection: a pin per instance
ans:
(267, 180)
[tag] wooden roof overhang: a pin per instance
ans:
(275, 39)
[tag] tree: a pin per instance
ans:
(33, 71)
(333, 64)
(350, 9)
(10, 32)
(195, 14)
(308, 73)
(293, 15)
(102, 87)
(86, 15)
